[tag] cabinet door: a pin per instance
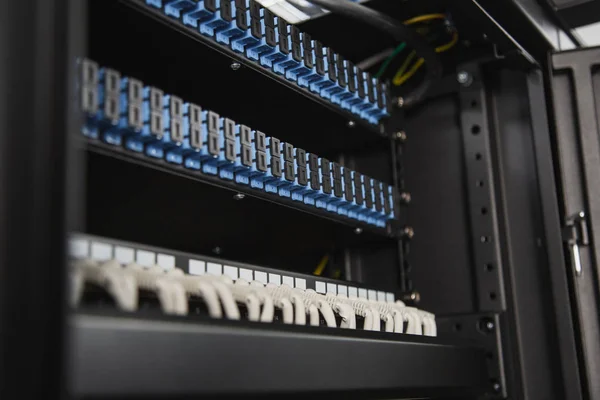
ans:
(575, 92)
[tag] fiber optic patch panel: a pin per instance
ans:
(268, 41)
(232, 290)
(122, 111)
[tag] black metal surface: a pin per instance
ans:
(575, 88)
(132, 200)
(536, 29)
(34, 90)
(577, 12)
(440, 252)
(533, 361)
(127, 356)
(552, 239)
(484, 329)
(481, 189)
(538, 357)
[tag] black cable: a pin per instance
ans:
(399, 32)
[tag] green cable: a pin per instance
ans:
(388, 60)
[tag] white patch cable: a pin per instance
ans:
(221, 295)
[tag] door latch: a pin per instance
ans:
(575, 234)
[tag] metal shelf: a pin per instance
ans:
(123, 355)
(392, 229)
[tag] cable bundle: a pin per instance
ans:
(128, 286)
(400, 32)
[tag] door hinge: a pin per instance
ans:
(575, 235)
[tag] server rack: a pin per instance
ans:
(534, 326)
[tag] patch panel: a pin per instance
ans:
(269, 41)
(145, 120)
(126, 272)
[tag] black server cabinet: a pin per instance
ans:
(503, 210)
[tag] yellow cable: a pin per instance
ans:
(399, 80)
(321, 266)
(423, 18)
(449, 45)
(402, 77)
(406, 63)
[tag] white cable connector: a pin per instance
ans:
(120, 284)
(171, 294)
(221, 296)
(282, 300)
(412, 317)
(198, 287)
(312, 298)
(385, 313)
(296, 297)
(222, 285)
(243, 293)
(362, 307)
(76, 285)
(268, 309)
(429, 326)
(339, 304)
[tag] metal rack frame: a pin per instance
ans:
(41, 202)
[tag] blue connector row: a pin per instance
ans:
(123, 112)
(263, 38)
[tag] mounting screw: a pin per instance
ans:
(413, 296)
(351, 124)
(408, 232)
(464, 78)
(405, 197)
(217, 250)
(496, 386)
(401, 136)
(486, 325)
(235, 66)
(239, 196)
(358, 230)
(400, 102)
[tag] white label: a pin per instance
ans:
(101, 251)
(352, 291)
(214, 268)
(288, 280)
(230, 271)
(165, 261)
(197, 267)
(246, 274)
(320, 287)
(260, 276)
(300, 283)
(362, 293)
(389, 297)
(79, 248)
(331, 288)
(145, 258)
(342, 289)
(274, 278)
(380, 296)
(372, 295)
(124, 255)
